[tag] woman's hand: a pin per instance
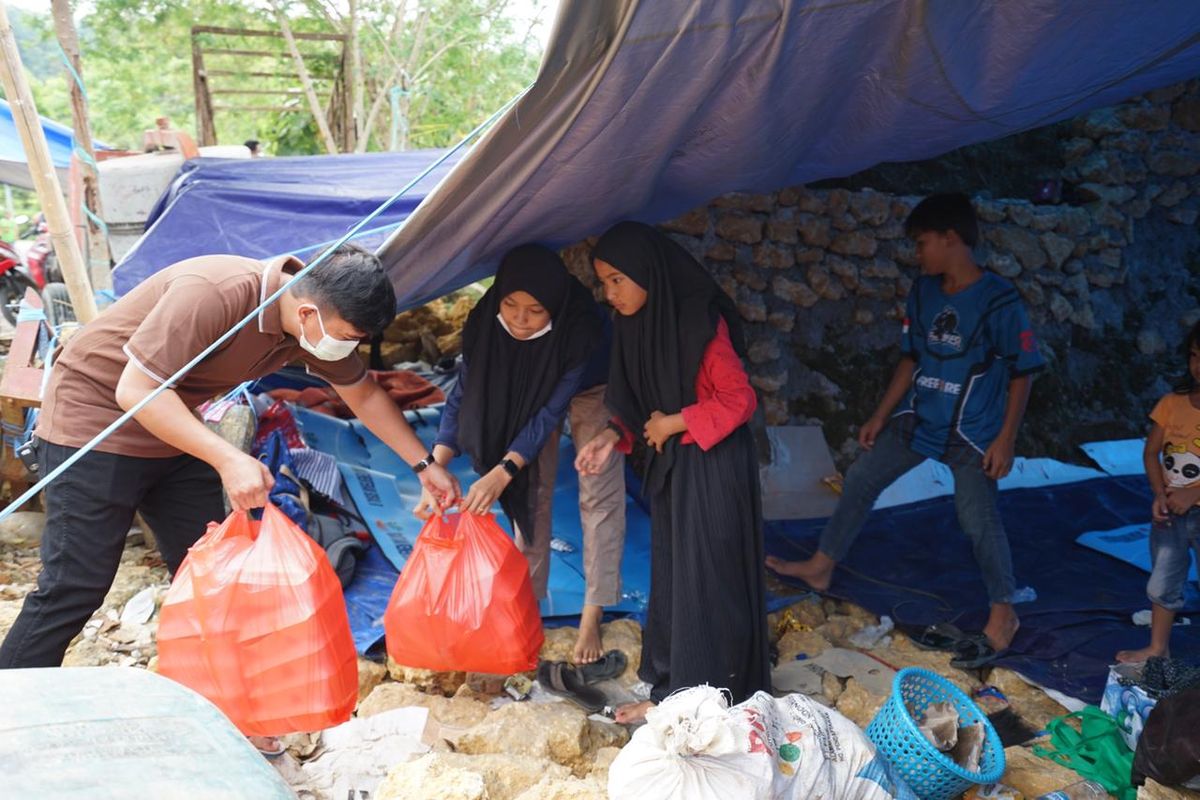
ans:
(662, 427)
(595, 454)
(484, 492)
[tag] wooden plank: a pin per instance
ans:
(206, 127)
(21, 381)
(258, 91)
(220, 51)
(258, 108)
(316, 37)
(235, 73)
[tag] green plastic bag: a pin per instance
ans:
(1096, 751)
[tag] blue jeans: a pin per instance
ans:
(1171, 546)
(974, 499)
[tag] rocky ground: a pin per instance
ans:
(478, 745)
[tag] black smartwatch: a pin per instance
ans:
(510, 467)
(423, 464)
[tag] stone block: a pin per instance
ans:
(854, 243)
(783, 231)
(721, 251)
(1058, 248)
(774, 256)
(735, 226)
(1144, 116)
(1175, 163)
(870, 207)
(1023, 244)
(693, 223)
(795, 292)
(814, 230)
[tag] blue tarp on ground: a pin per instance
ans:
(267, 206)
(1081, 617)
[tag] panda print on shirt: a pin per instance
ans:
(1181, 468)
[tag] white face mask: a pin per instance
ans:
(328, 348)
(538, 335)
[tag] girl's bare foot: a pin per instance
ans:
(267, 745)
(817, 571)
(633, 712)
(588, 647)
(1138, 656)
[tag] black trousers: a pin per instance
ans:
(89, 510)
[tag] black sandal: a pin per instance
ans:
(943, 636)
(974, 652)
(610, 665)
(561, 679)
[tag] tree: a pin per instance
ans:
(453, 61)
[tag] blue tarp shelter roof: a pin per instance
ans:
(262, 207)
(14, 167)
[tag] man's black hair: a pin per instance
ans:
(351, 281)
(939, 213)
(1186, 384)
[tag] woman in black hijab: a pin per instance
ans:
(676, 378)
(534, 350)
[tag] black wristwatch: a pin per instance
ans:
(510, 467)
(423, 464)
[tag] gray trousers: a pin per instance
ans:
(601, 507)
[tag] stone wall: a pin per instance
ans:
(1110, 279)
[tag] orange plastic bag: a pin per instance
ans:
(256, 622)
(464, 601)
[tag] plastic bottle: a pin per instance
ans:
(1084, 790)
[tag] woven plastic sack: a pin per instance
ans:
(464, 601)
(255, 621)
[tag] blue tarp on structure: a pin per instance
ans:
(263, 207)
(14, 166)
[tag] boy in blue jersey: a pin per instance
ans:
(958, 395)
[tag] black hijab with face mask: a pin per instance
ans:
(657, 352)
(509, 380)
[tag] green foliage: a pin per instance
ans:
(137, 61)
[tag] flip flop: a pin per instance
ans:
(943, 636)
(973, 652)
(610, 665)
(561, 679)
(279, 750)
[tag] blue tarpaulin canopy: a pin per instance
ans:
(262, 207)
(14, 167)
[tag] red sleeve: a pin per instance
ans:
(726, 401)
(625, 443)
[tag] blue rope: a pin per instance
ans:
(253, 315)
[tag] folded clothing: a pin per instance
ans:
(407, 390)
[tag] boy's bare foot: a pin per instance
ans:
(633, 712)
(588, 647)
(817, 571)
(1002, 626)
(1138, 656)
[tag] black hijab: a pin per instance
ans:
(509, 380)
(657, 352)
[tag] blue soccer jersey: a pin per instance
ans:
(967, 347)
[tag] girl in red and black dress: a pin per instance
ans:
(676, 378)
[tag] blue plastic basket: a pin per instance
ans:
(931, 774)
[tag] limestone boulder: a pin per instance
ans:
(427, 680)
(455, 776)
(560, 732)
(456, 712)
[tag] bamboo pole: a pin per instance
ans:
(313, 102)
(99, 255)
(41, 169)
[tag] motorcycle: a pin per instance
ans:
(39, 256)
(15, 278)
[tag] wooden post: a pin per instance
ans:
(41, 169)
(206, 130)
(99, 255)
(314, 102)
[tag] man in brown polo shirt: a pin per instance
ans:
(165, 462)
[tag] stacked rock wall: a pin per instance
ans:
(1110, 278)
